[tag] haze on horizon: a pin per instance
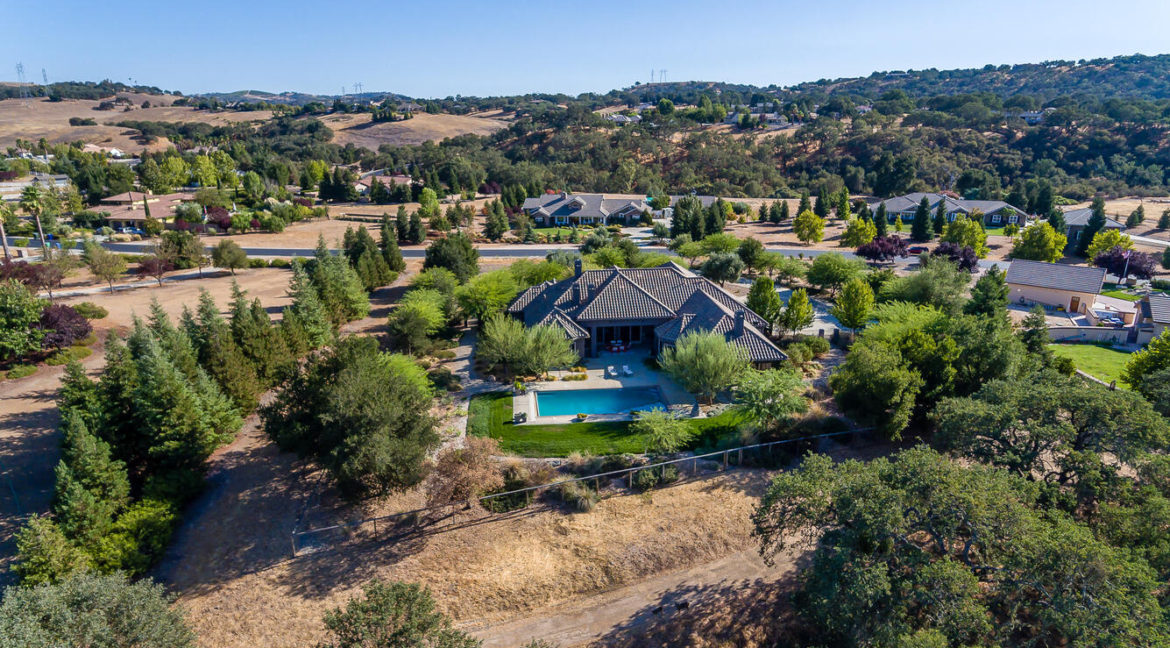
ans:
(449, 47)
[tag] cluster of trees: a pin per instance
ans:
(29, 325)
(361, 413)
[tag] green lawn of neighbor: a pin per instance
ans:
(552, 231)
(1097, 361)
(1112, 290)
(491, 415)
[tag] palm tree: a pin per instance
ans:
(32, 201)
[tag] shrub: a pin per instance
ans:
(649, 478)
(62, 326)
(817, 345)
(90, 310)
(63, 356)
(442, 378)
(279, 263)
(138, 537)
(257, 263)
(20, 371)
(578, 496)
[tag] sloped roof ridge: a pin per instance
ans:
(618, 272)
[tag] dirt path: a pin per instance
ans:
(633, 607)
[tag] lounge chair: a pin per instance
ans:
(626, 370)
(610, 372)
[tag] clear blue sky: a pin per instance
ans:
(437, 48)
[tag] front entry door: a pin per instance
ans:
(1074, 306)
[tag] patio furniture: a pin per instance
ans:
(610, 372)
(626, 370)
(520, 417)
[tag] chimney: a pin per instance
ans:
(577, 267)
(739, 318)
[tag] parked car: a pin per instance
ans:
(916, 249)
(130, 230)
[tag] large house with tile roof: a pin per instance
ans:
(650, 307)
(995, 212)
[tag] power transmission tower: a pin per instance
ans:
(662, 76)
(45, 76)
(357, 87)
(21, 82)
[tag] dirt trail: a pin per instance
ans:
(629, 608)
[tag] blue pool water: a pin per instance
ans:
(597, 401)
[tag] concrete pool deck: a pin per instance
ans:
(676, 398)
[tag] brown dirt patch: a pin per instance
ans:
(359, 130)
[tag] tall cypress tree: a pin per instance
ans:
(920, 228)
(940, 218)
(805, 205)
(1096, 224)
(402, 224)
(881, 220)
(390, 252)
(417, 231)
(784, 214)
(821, 206)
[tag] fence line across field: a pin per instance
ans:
(627, 472)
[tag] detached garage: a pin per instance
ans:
(1071, 288)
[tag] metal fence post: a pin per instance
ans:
(725, 453)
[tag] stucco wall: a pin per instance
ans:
(1088, 334)
(1049, 297)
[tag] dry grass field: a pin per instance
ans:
(357, 129)
(40, 117)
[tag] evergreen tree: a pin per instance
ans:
(881, 221)
(805, 205)
(176, 426)
(843, 210)
(417, 231)
(764, 214)
(262, 343)
(779, 211)
(390, 252)
(920, 230)
(402, 224)
(82, 516)
(854, 304)
(821, 206)
(1056, 220)
(1096, 224)
(44, 555)
(1164, 219)
(310, 314)
(940, 218)
(91, 462)
(989, 296)
(339, 287)
(379, 195)
(120, 417)
(79, 396)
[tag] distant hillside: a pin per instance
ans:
(1146, 77)
(294, 98)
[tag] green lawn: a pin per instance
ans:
(552, 231)
(1112, 290)
(1097, 361)
(491, 415)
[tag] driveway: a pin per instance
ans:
(823, 320)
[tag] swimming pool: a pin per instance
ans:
(570, 402)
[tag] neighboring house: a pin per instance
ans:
(1076, 220)
(650, 307)
(363, 185)
(619, 118)
(1154, 317)
(995, 212)
(584, 209)
(1067, 287)
(126, 209)
(10, 190)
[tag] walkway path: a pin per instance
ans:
(630, 607)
